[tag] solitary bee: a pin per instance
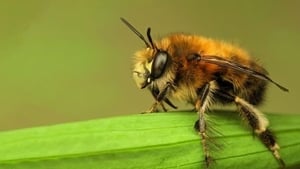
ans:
(204, 72)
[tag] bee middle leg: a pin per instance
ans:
(202, 104)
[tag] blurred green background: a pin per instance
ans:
(69, 60)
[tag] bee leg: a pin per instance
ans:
(259, 123)
(152, 109)
(202, 104)
(159, 97)
(166, 100)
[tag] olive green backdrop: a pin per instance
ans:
(68, 60)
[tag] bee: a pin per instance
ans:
(204, 72)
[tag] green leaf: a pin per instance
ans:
(141, 141)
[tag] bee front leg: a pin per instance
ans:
(152, 109)
(160, 97)
(201, 105)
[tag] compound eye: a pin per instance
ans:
(159, 64)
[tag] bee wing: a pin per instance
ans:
(238, 67)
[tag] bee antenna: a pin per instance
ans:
(150, 38)
(137, 32)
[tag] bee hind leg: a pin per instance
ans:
(259, 123)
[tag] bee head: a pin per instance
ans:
(145, 73)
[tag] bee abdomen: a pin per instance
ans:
(250, 89)
(254, 90)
